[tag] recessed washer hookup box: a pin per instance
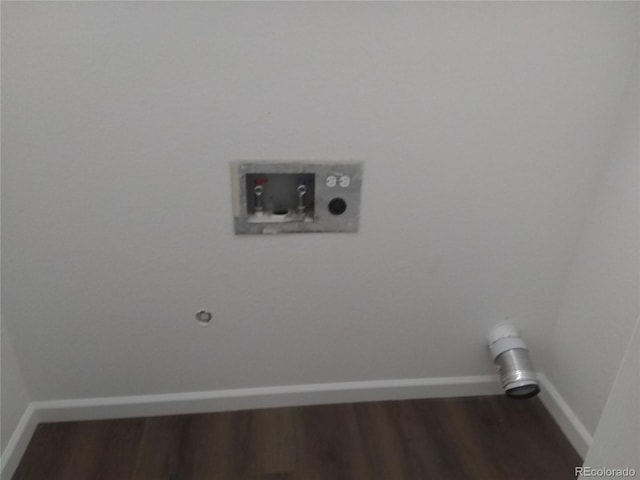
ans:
(271, 197)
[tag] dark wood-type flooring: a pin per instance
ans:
(486, 438)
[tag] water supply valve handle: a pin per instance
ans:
(302, 190)
(258, 190)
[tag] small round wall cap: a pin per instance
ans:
(203, 317)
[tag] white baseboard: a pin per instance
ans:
(263, 397)
(564, 416)
(236, 399)
(18, 442)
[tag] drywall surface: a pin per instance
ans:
(481, 126)
(617, 440)
(14, 396)
(601, 304)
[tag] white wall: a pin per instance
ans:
(601, 304)
(14, 398)
(482, 127)
(617, 439)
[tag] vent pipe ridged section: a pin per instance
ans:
(511, 357)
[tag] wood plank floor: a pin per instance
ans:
(485, 438)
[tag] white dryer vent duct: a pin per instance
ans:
(511, 357)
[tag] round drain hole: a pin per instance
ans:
(337, 206)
